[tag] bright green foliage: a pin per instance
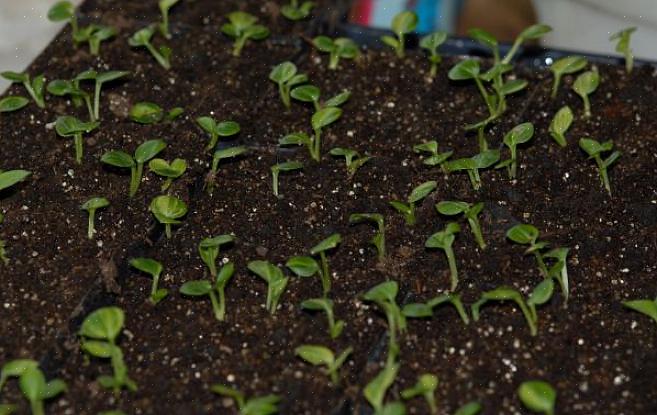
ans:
(376, 389)
(561, 122)
(36, 390)
(353, 160)
(323, 356)
(524, 234)
(585, 85)
(444, 240)
(425, 310)
(471, 213)
(68, 126)
(99, 332)
(565, 66)
(426, 387)
(472, 165)
(11, 177)
(470, 408)
(216, 130)
(34, 87)
(307, 266)
(379, 240)
(13, 103)
(533, 32)
(286, 76)
(263, 405)
(216, 291)
(64, 11)
(91, 206)
(312, 94)
(402, 24)
(167, 210)
(219, 155)
(295, 11)
(165, 6)
(325, 305)
(595, 150)
(150, 113)
(94, 35)
(145, 152)
(623, 46)
(321, 119)
(171, 171)
(647, 307)
(276, 169)
(242, 27)
(520, 134)
(431, 43)
(417, 194)
(154, 269)
(384, 295)
(339, 48)
(15, 368)
(143, 37)
(276, 281)
(435, 156)
(538, 396)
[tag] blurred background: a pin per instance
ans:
(582, 25)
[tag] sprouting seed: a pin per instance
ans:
(426, 387)
(36, 389)
(444, 240)
(68, 126)
(165, 6)
(379, 239)
(215, 290)
(471, 213)
(167, 210)
(561, 122)
(538, 396)
(565, 66)
(431, 43)
(339, 48)
(425, 310)
(261, 405)
(353, 160)
(143, 37)
(219, 155)
(473, 164)
(322, 356)
(286, 76)
(13, 103)
(402, 24)
(276, 169)
(623, 46)
(436, 158)
(417, 194)
(242, 27)
(216, 130)
(276, 282)
(170, 171)
(585, 85)
(295, 11)
(595, 149)
(145, 152)
(154, 269)
(519, 134)
(646, 307)
(35, 87)
(325, 305)
(91, 206)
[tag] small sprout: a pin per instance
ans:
(276, 282)
(444, 240)
(34, 387)
(242, 27)
(487, 39)
(216, 291)
(263, 405)
(426, 387)
(94, 35)
(646, 307)
(524, 234)
(585, 85)
(436, 158)
(167, 210)
(13, 103)
(425, 310)
(15, 368)
(384, 295)
(307, 266)
(286, 76)
(145, 152)
(561, 122)
(375, 391)
(339, 48)
(473, 164)
(209, 248)
(541, 294)
(470, 408)
(295, 11)
(471, 213)
(322, 118)
(402, 24)
(431, 43)
(325, 305)
(417, 195)
(91, 206)
(531, 33)
(538, 396)
(565, 66)
(379, 240)
(99, 332)
(323, 356)
(34, 87)
(165, 6)
(101, 79)
(623, 46)
(64, 11)
(216, 130)
(219, 155)
(171, 171)
(154, 269)
(595, 149)
(519, 134)
(559, 270)
(353, 160)
(276, 169)
(68, 126)
(142, 38)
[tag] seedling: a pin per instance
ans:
(595, 149)
(286, 76)
(524, 234)
(444, 240)
(538, 396)
(68, 126)
(470, 408)
(425, 310)
(13, 103)
(561, 122)
(165, 6)
(100, 79)
(263, 405)
(585, 85)
(216, 158)
(307, 266)
(531, 33)
(353, 160)
(565, 66)
(150, 113)
(323, 356)
(170, 171)
(36, 390)
(541, 294)
(209, 249)
(471, 213)
(143, 37)
(145, 152)
(242, 27)
(94, 35)
(15, 368)
(167, 210)
(276, 169)
(64, 11)
(295, 11)
(473, 164)
(340, 48)
(384, 295)
(216, 130)
(417, 195)
(436, 158)
(154, 269)
(321, 119)
(646, 307)
(559, 270)
(33, 87)
(276, 282)
(61, 87)
(375, 391)
(379, 240)
(325, 305)
(312, 94)
(426, 387)
(402, 24)
(99, 332)
(91, 206)
(623, 46)
(216, 291)
(431, 43)
(519, 134)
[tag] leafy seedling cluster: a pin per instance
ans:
(339, 48)
(243, 27)
(144, 153)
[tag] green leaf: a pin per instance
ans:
(53, 388)
(385, 291)
(329, 243)
(208, 124)
(303, 266)
(561, 122)
(118, 159)
(422, 191)
(265, 270)
(147, 265)
(417, 310)
(110, 76)
(471, 408)
(568, 65)
(196, 288)
(426, 383)
(15, 76)
(404, 22)
(519, 134)
(32, 383)
(542, 292)
(647, 307)
(295, 139)
(538, 396)
(225, 274)
(450, 208)
(98, 348)
(60, 11)
(104, 323)
(339, 99)
(146, 113)
(11, 177)
(432, 41)
(167, 209)
(283, 72)
(513, 86)
(523, 234)
(171, 170)
(227, 128)
(325, 117)
(586, 83)
(142, 37)
(148, 150)
(483, 37)
(376, 389)
(67, 126)
(315, 355)
(95, 203)
(464, 70)
(230, 152)
(534, 32)
(287, 166)
(486, 159)
(590, 146)
(306, 93)
(443, 239)
(13, 103)
(324, 44)
(346, 48)
(264, 405)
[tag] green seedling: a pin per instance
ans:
(64, 11)
(305, 266)
(286, 76)
(417, 194)
(167, 210)
(426, 387)
(68, 126)
(486, 39)
(444, 240)
(353, 160)
(321, 119)
(561, 122)
(325, 305)
(524, 234)
(263, 405)
(34, 87)
(276, 169)
(339, 48)
(436, 158)
(209, 248)
(595, 149)
(384, 295)
(154, 269)
(622, 39)
(375, 391)
(61, 87)
(402, 24)
(143, 37)
(473, 164)
(101, 79)
(145, 152)
(425, 310)
(538, 396)
(471, 213)
(13, 103)
(520, 134)
(565, 66)
(216, 291)
(150, 113)
(470, 408)
(15, 368)
(216, 130)
(431, 43)
(216, 158)
(541, 294)
(276, 282)
(646, 307)
(312, 94)
(559, 271)
(323, 356)
(242, 27)
(36, 389)
(165, 6)
(94, 35)
(585, 85)
(531, 33)
(295, 11)
(99, 332)
(170, 171)
(91, 206)
(379, 240)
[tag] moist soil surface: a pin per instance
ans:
(599, 356)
